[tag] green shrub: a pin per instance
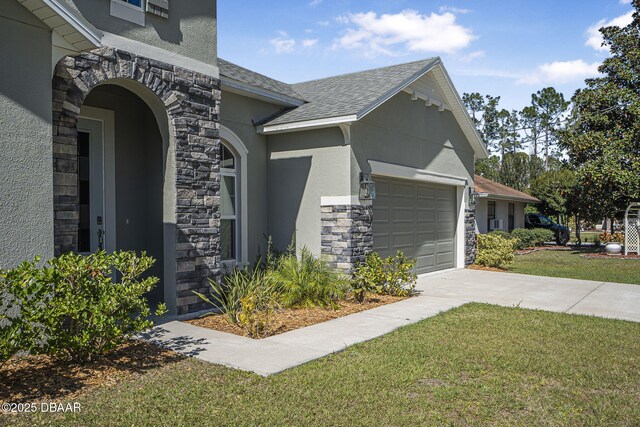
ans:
(391, 276)
(72, 307)
(247, 298)
(529, 238)
(308, 281)
(494, 251)
(501, 233)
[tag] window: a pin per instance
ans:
(137, 3)
(491, 213)
(129, 10)
(228, 205)
(512, 216)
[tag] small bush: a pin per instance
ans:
(72, 307)
(503, 234)
(529, 238)
(247, 298)
(308, 281)
(606, 237)
(494, 251)
(391, 276)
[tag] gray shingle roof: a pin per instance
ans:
(353, 93)
(236, 72)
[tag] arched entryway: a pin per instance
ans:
(160, 152)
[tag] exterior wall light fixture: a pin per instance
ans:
(367, 187)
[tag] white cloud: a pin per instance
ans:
(593, 33)
(314, 3)
(283, 43)
(625, 1)
(451, 9)
(561, 72)
(390, 33)
(309, 43)
(473, 55)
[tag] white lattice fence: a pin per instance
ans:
(632, 229)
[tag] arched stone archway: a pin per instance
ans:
(192, 102)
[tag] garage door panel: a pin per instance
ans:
(403, 191)
(403, 214)
(426, 215)
(416, 218)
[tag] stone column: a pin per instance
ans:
(347, 235)
(470, 236)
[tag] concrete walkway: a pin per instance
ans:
(439, 292)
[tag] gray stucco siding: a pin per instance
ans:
(407, 133)
(190, 29)
(237, 113)
(303, 168)
(26, 181)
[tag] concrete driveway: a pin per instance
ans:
(439, 292)
(613, 300)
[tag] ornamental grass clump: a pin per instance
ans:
(248, 299)
(308, 281)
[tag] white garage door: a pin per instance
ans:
(416, 218)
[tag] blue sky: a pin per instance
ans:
(510, 48)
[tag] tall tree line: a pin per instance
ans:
(522, 144)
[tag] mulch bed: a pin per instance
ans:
(295, 318)
(42, 378)
(544, 248)
(483, 268)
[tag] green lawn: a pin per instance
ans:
(572, 265)
(475, 365)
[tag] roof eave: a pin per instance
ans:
(90, 37)
(511, 198)
(307, 124)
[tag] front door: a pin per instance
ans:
(91, 230)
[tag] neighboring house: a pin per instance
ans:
(499, 207)
(144, 155)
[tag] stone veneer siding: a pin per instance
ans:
(192, 101)
(470, 236)
(347, 235)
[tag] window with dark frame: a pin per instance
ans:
(228, 205)
(84, 193)
(512, 216)
(491, 213)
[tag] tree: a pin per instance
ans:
(550, 106)
(532, 127)
(489, 168)
(603, 140)
(484, 114)
(554, 188)
(514, 171)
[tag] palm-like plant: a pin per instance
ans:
(307, 281)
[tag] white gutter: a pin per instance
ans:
(308, 124)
